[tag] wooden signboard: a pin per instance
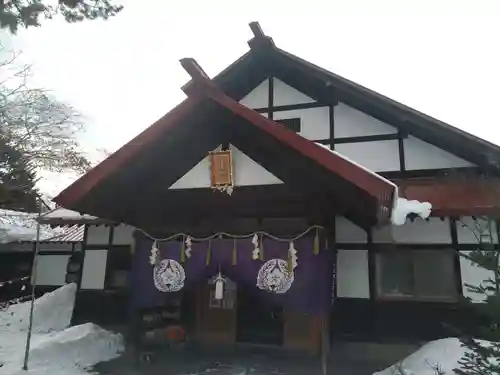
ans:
(221, 169)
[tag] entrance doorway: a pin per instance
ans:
(258, 323)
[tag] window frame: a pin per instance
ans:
(290, 123)
(415, 297)
(114, 263)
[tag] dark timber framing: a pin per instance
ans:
(80, 274)
(270, 98)
(265, 58)
(331, 118)
(82, 256)
(292, 107)
(372, 279)
(331, 141)
(402, 163)
(366, 138)
(455, 246)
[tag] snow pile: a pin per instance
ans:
(403, 207)
(442, 355)
(55, 349)
(79, 346)
(68, 352)
(21, 226)
(52, 312)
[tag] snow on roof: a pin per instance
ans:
(401, 206)
(18, 226)
(74, 233)
(64, 213)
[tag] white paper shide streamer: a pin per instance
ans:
(189, 246)
(256, 249)
(155, 254)
(292, 251)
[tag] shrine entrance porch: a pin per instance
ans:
(242, 318)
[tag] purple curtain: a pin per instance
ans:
(311, 291)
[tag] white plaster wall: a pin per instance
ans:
(258, 97)
(94, 269)
(246, 173)
(98, 235)
(123, 235)
(422, 155)
(347, 232)
(352, 274)
(314, 122)
(382, 156)
(379, 156)
(417, 232)
(286, 95)
(350, 122)
(51, 269)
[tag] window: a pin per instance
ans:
(118, 268)
(291, 123)
(416, 274)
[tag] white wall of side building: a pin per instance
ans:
(352, 263)
(51, 267)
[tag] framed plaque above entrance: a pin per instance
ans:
(221, 170)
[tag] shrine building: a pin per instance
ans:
(282, 204)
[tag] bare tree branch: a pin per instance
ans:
(34, 123)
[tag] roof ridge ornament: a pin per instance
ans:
(259, 38)
(198, 76)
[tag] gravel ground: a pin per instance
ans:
(242, 361)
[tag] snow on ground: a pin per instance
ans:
(55, 348)
(442, 354)
(52, 312)
(21, 226)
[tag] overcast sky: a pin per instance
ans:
(439, 56)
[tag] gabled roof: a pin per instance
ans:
(265, 59)
(365, 197)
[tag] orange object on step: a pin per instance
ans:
(175, 333)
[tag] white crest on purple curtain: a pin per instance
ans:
(169, 276)
(275, 277)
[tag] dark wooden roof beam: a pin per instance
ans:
(259, 38)
(197, 74)
(193, 68)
